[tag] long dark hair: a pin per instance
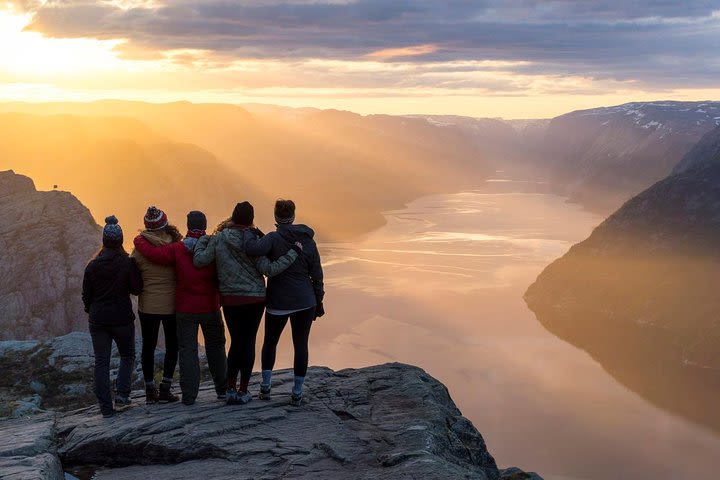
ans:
(173, 231)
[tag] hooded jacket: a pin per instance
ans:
(196, 290)
(158, 296)
(239, 273)
(301, 285)
(109, 280)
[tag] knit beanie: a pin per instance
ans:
(196, 220)
(155, 219)
(112, 233)
(244, 214)
(284, 212)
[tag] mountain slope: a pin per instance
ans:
(603, 156)
(47, 239)
(640, 294)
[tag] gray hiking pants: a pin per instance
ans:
(213, 330)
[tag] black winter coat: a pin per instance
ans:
(109, 280)
(301, 285)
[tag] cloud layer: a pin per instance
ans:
(661, 43)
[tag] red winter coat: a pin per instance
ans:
(197, 288)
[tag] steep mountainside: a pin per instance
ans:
(46, 240)
(603, 156)
(640, 294)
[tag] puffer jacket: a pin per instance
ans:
(158, 295)
(110, 279)
(238, 273)
(300, 286)
(197, 288)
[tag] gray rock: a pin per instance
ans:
(75, 389)
(28, 406)
(9, 346)
(43, 259)
(28, 449)
(387, 422)
(37, 387)
(515, 473)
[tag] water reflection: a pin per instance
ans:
(441, 286)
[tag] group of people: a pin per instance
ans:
(182, 283)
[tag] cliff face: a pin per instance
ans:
(383, 422)
(640, 294)
(46, 240)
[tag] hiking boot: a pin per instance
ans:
(151, 395)
(108, 414)
(244, 397)
(295, 399)
(122, 403)
(264, 393)
(238, 398)
(166, 395)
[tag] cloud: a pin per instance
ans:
(660, 43)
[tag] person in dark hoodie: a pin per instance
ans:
(109, 280)
(242, 291)
(197, 305)
(297, 294)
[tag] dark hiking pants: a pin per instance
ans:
(300, 322)
(102, 338)
(242, 322)
(213, 330)
(150, 328)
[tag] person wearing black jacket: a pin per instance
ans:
(110, 278)
(296, 293)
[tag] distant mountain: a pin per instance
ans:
(343, 169)
(641, 293)
(119, 165)
(47, 239)
(603, 156)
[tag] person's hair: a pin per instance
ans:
(284, 208)
(173, 231)
(119, 249)
(223, 225)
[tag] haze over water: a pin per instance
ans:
(441, 285)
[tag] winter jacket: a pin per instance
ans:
(158, 296)
(196, 290)
(301, 285)
(239, 274)
(110, 279)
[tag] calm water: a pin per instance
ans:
(441, 285)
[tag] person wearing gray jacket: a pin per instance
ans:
(242, 290)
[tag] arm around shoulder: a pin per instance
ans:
(271, 269)
(204, 253)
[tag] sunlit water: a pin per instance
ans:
(441, 285)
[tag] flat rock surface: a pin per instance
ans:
(389, 421)
(28, 449)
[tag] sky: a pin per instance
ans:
(511, 59)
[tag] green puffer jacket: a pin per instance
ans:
(238, 273)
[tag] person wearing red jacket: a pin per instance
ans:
(197, 305)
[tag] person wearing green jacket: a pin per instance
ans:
(242, 290)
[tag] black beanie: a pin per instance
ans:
(196, 220)
(244, 214)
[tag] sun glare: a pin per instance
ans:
(26, 52)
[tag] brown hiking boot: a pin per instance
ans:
(166, 395)
(151, 395)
